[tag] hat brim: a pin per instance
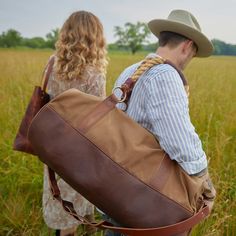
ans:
(205, 47)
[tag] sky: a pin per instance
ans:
(32, 18)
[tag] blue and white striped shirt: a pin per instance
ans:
(159, 103)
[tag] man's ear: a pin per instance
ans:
(186, 45)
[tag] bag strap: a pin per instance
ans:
(46, 73)
(169, 230)
(145, 65)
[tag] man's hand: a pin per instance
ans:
(209, 193)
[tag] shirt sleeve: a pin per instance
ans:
(168, 114)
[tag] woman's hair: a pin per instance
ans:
(81, 42)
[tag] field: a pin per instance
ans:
(213, 112)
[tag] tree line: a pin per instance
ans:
(12, 38)
(130, 37)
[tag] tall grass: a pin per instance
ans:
(213, 112)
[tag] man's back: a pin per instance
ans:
(159, 103)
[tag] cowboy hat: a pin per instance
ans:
(183, 23)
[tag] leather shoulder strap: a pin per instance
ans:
(180, 72)
(47, 72)
(185, 83)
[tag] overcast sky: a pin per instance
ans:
(37, 18)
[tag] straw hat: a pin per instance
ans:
(183, 23)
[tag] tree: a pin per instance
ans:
(132, 36)
(36, 42)
(222, 48)
(11, 38)
(152, 47)
(51, 38)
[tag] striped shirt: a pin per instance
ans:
(159, 103)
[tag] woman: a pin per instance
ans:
(80, 62)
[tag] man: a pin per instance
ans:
(159, 101)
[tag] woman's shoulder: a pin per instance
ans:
(91, 72)
(90, 69)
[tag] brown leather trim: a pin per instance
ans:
(98, 178)
(185, 82)
(47, 72)
(170, 230)
(98, 113)
(53, 183)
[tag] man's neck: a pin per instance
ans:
(170, 55)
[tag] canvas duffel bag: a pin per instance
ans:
(115, 163)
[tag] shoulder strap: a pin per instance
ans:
(128, 85)
(180, 72)
(46, 73)
(185, 83)
(169, 230)
(145, 65)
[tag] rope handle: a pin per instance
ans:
(145, 65)
(127, 87)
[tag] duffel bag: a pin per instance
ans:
(115, 163)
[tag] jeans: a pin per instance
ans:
(110, 232)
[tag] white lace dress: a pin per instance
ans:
(55, 217)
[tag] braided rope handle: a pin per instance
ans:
(150, 62)
(127, 87)
(145, 65)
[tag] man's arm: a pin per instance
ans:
(168, 114)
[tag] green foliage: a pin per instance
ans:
(152, 47)
(36, 42)
(52, 38)
(222, 48)
(11, 38)
(116, 47)
(132, 36)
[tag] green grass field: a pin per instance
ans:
(213, 112)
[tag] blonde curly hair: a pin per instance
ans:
(81, 43)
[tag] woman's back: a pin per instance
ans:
(80, 62)
(92, 82)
